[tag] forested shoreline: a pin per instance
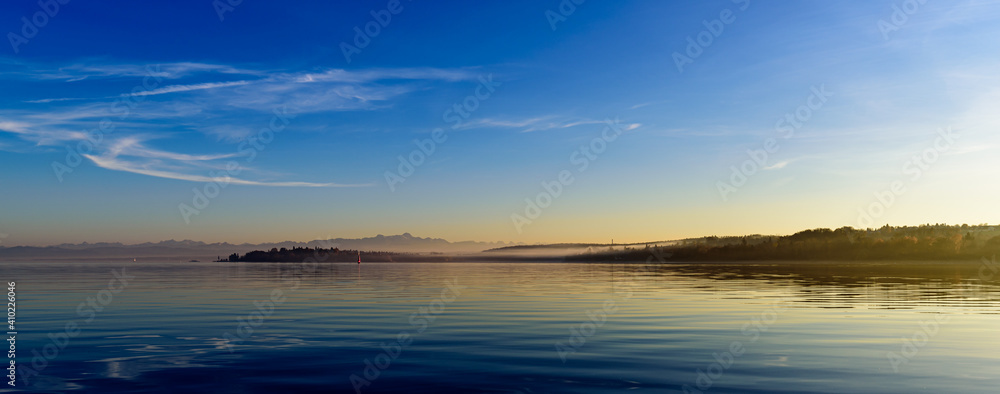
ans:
(297, 254)
(928, 242)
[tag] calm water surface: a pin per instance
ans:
(507, 327)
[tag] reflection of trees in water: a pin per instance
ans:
(882, 285)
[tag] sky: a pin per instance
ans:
(520, 121)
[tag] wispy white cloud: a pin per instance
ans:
(529, 124)
(303, 97)
(784, 163)
(202, 97)
(133, 146)
(113, 163)
(777, 166)
(503, 123)
(14, 127)
(179, 166)
(78, 72)
(365, 76)
(41, 133)
(632, 126)
(326, 90)
(188, 88)
(52, 100)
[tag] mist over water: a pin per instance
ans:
(511, 327)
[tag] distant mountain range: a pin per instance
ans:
(188, 249)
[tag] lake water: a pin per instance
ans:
(507, 327)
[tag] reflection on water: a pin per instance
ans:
(509, 327)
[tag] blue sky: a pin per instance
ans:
(211, 85)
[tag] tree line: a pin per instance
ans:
(926, 242)
(299, 254)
